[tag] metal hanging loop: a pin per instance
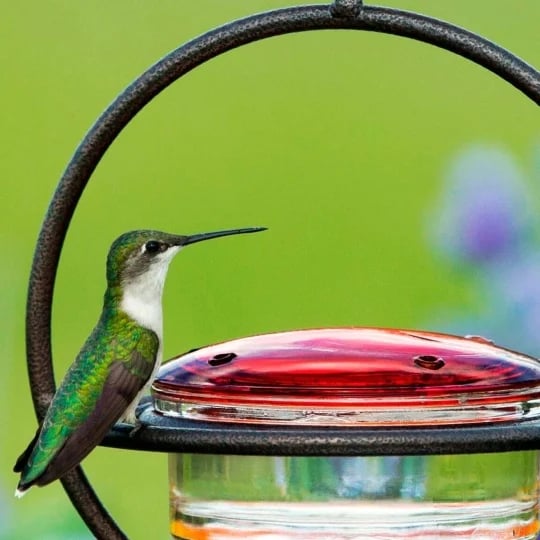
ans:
(342, 14)
(346, 8)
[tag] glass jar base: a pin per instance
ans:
(366, 520)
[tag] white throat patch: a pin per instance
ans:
(141, 298)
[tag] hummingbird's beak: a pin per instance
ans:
(208, 236)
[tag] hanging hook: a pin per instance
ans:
(346, 9)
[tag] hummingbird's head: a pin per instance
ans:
(136, 268)
(143, 256)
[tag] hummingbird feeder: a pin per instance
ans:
(317, 434)
(319, 401)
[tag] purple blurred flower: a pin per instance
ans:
(484, 212)
(485, 223)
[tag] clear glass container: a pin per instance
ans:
(351, 377)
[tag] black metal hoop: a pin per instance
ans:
(342, 14)
(171, 435)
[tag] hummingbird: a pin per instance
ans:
(118, 361)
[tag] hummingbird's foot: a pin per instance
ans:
(138, 425)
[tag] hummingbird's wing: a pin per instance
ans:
(124, 381)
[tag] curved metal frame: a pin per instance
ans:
(342, 14)
(169, 434)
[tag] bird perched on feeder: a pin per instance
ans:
(117, 363)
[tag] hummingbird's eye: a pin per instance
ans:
(152, 246)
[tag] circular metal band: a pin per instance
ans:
(167, 434)
(343, 14)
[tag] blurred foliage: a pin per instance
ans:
(470, 477)
(335, 140)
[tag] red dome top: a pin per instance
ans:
(366, 376)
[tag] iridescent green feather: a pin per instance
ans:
(116, 338)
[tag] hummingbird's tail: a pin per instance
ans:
(20, 464)
(23, 458)
(20, 491)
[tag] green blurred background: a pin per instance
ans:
(337, 141)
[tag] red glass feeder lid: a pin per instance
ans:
(351, 376)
